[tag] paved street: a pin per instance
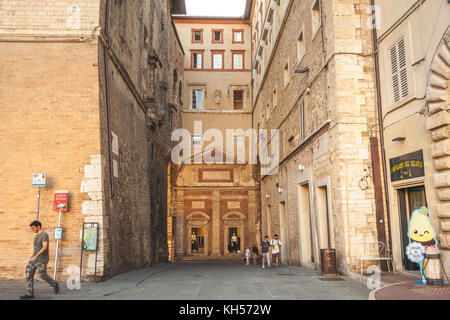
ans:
(204, 281)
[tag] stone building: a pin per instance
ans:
(217, 198)
(89, 94)
(414, 71)
(313, 80)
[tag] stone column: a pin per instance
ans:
(252, 218)
(216, 223)
(179, 235)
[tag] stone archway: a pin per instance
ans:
(197, 220)
(230, 220)
(438, 123)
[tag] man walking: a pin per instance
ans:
(265, 246)
(38, 261)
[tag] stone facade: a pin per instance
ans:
(98, 92)
(322, 195)
(215, 200)
(422, 104)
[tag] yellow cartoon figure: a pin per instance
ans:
(420, 229)
(421, 236)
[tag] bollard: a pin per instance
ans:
(432, 267)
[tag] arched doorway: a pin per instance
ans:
(233, 223)
(197, 230)
(438, 122)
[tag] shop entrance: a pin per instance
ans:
(198, 241)
(234, 240)
(409, 199)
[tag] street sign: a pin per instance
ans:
(61, 200)
(39, 179)
(58, 233)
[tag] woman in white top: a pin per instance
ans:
(275, 244)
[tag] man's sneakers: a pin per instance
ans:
(57, 288)
(27, 296)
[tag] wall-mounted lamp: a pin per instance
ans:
(280, 190)
(300, 167)
(399, 139)
(267, 196)
(302, 70)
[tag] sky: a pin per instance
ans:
(215, 7)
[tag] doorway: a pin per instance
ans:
(308, 252)
(234, 240)
(409, 200)
(198, 241)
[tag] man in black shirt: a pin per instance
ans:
(38, 261)
(265, 246)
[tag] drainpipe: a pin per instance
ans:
(380, 119)
(107, 102)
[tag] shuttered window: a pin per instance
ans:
(399, 71)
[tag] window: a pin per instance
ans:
(300, 47)
(286, 74)
(197, 35)
(238, 60)
(239, 141)
(399, 71)
(302, 121)
(267, 111)
(170, 118)
(238, 36)
(217, 36)
(217, 60)
(196, 140)
(197, 60)
(197, 99)
(275, 98)
(180, 91)
(238, 99)
(315, 17)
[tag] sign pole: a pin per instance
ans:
(38, 197)
(57, 246)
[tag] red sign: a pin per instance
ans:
(61, 201)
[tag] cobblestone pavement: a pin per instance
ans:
(204, 281)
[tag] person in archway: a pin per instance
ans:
(194, 242)
(275, 244)
(234, 243)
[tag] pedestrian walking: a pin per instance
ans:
(265, 248)
(247, 256)
(275, 244)
(255, 253)
(38, 261)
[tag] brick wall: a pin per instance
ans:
(49, 108)
(63, 17)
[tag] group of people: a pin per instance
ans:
(267, 247)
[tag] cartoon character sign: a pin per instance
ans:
(421, 236)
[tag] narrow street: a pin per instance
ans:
(204, 281)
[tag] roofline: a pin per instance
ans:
(249, 6)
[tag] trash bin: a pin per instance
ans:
(328, 262)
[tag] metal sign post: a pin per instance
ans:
(38, 197)
(57, 246)
(60, 204)
(38, 181)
